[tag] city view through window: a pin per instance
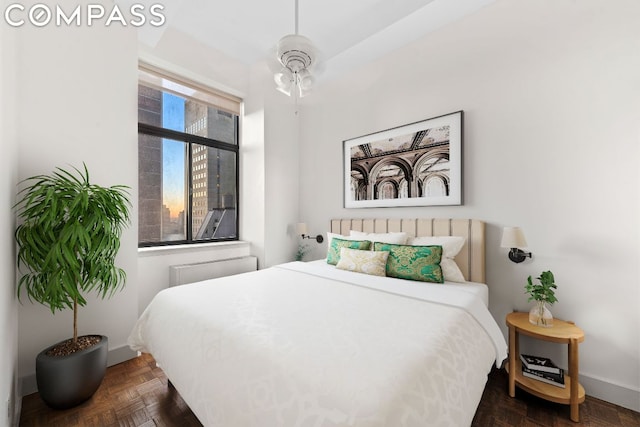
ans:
(187, 159)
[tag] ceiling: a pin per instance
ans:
(346, 32)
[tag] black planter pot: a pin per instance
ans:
(67, 381)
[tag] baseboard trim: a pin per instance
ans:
(120, 354)
(618, 394)
(29, 385)
(17, 402)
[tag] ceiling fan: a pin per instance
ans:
(296, 56)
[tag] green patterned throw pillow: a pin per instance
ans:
(413, 262)
(333, 254)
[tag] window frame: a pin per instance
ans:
(190, 139)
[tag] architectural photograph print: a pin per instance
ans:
(418, 164)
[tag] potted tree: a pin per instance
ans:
(542, 293)
(68, 239)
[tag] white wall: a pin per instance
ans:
(551, 96)
(252, 167)
(77, 101)
(269, 170)
(8, 178)
(282, 173)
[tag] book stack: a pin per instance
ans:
(542, 369)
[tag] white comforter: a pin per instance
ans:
(308, 345)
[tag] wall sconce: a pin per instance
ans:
(513, 238)
(301, 229)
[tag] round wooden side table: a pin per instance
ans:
(561, 332)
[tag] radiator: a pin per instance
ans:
(189, 273)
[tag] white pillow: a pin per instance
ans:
(368, 262)
(451, 245)
(394, 238)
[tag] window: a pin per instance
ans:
(187, 163)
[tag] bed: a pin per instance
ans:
(309, 344)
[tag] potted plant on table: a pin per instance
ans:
(542, 293)
(68, 240)
(301, 252)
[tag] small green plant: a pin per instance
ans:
(543, 291)
(301, 252)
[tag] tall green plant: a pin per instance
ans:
(69, 238)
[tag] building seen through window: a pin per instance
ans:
(188, 169)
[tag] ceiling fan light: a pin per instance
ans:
(305, 80)
(302, 92)
(285, 88)
(284, 77)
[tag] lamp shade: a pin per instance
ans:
(301, 228)
(513, 237)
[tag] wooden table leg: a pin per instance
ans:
(573, 372)
(513, 349)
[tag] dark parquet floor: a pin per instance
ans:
(497, 409)
(135, 394)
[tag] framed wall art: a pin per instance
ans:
(418, 164)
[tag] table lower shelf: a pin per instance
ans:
(544, 390)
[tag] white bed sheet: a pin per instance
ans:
(480, 290)
(303, 344)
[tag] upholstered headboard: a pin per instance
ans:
(471, 257)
